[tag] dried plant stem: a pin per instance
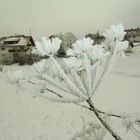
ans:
(102, 112)
(45, 88)
(109, 129)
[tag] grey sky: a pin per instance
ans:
(46, 17)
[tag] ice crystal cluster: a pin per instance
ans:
(79, 75)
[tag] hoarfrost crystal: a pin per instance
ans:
(121, 46)
(116, 32)
(73, 63)
(96, 52)
(47, 47)
(80, 46)
(79, 76)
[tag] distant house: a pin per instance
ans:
(133, 36)
(13, 46)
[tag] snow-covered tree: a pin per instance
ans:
(68, 39)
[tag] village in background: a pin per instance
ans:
(18, 48)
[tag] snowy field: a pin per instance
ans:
(26, 117)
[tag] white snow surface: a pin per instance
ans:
(26, 117)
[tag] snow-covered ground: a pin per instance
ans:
(24, 117)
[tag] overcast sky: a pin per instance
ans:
(46, 17)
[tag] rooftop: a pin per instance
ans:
(19, 40)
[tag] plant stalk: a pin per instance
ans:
(109, 129)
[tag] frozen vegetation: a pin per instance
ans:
(77, 78)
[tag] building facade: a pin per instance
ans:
(133, 36)
(13, 47)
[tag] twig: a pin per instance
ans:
(54, 93)
(102, 112)
(46, 89)
(109, 129)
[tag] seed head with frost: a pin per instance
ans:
(70, 52)
(80, 46)
(96, 52)
(80, 75)
(115, 33)
(77, 78)
(121, 47)
(47, 47)
(95, 131)
(128, 121)
(73, 63)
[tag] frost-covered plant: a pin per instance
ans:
(67, 39)
(95, 131)
(52, 46)
(79, 76)
(115, 33)
(131, 123)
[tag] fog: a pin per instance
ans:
(46, 17)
